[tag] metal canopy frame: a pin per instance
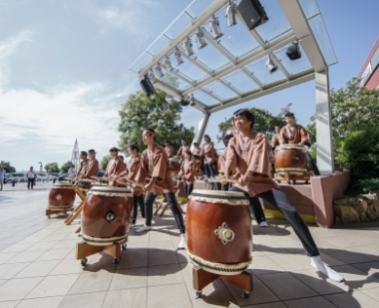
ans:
(303, 24)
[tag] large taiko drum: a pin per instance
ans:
(61, 197)
(174, 165)
(107, 215)
(219, 232)
(290, 159)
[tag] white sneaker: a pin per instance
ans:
(263, 224)
(182, 243)
(317, 263)
(143, 229)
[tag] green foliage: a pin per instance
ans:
(160, 113)
(52, 167)
(363, 186)
(104, 162)
(66, 166)
(7, 166)
(265, 122)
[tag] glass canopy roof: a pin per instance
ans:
(234, 65)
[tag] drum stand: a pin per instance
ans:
(78, 209)
(49, 212)
(83, 250)
(286, 176)
(202, 278)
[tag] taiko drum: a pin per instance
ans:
(290, 158)
(107, 215)
(61, 197)
(219, 232)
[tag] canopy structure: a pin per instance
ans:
(238, 64)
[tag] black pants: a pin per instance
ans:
(312, 164)
(138, 200)
(188, 189)
(210, 170)
(30, 183)
(171, 200)
(279, 200)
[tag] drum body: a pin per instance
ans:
(174, 165)
(61, 197)
(84, 184)
(219, 231)
(107, 215)
(290, 159)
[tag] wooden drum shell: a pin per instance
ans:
(204, 218)
(290, 159)
(107, 215)
(61, 196)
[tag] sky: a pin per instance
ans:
(64, 70)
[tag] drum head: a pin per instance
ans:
(106, 190)
(217, 196)
(290, 147)
(62, 185)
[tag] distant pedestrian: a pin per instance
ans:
(2, 177)
(32, 176)
(71, 171)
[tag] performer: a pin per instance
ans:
(130, 173)
(226, 136)
(183, 149)
(210, 157)
(249, 153)
(275, 141)
(154, 163)
(169, 149)
(123, 162)
(196, 149)
(293, 133)
(83, 165)
(187, 172)
(115, 166)
(93, 165)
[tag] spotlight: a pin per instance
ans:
(184, 102)
(230, 14)
(151, 76)
(147, 87)
(293, 52)
(188, 47)
(252, 13)
(271, 65)
(178, 57)
(191, 99)
(167, 64)
(201, 42)
(215, 28)
(158, 71)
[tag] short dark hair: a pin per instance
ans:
(247, 113)
(196, 144)
(289, 114)
(121, 157)
(168, 142)
(91, 151)
(133, 146)
(83, 153)
(151, 130)
(207, 136)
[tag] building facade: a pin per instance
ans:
(370, 70)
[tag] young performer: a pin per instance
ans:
(226, 136)
(187, 172)
(83, 165)
(154, 163)
(115, 166)
(169, 149)
(209, 153)
(249, 153)
(275, 138)
(123, 162)
(130, 173)
(183, 149)
(294, 133)
(196, 149)
(93, 165)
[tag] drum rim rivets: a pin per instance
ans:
(224, 233)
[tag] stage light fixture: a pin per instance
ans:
(252, 13)
(230, 14)
(167, 64)
(293, 52)
(188, 47)
(178, 57)
(271, 65)
(184, 102)
(215, 28)
(147, 87)
(158, 71)
(191, 99)
(151, 76)
(201, 42)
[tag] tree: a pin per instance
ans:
(160, 114)
(66, 166)
(7, 166)
(52, 168)
(264, 121)
(104, 161)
